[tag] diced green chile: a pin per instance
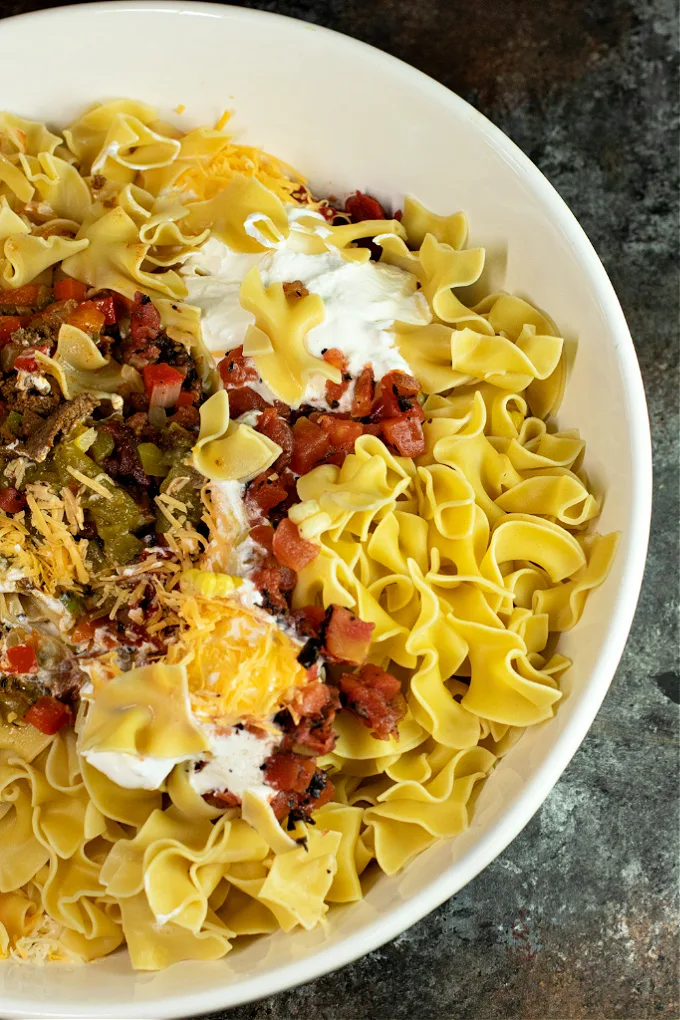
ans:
(103, 446)
(154, 461)
(189, 493)
(115, 519)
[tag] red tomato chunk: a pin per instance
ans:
(22, 659)
(245, 399)
(26, 361)
(8, 324)
(107, 306)
(263, 534)
(310, 445)
(364, 388)
(48, 715)
(290, 772)
(264, 493)
(341, 432)
(69, 289)
(347, 637)
(406, 434)
(163, 385)
(375, 697)
(364, 207)
(396, 395)
(145, 322)
(279, 431)
(11, 501)
(334, 391)
(290, 549)
(236, 370)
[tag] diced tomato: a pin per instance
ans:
(311, 699)
(22, 659)
(163, 384)
(87, 317)
(48, 715)
(272, 580)
(11, 501)
(263, 534)
(334, 391)
(264, 493)
(364, 207)
(311, 444)
(245, 399)
(83, 632)
(310, 620)
(145, 322)
(406, 434)
(275, 428)
(313, 709)
(186, 398)
(8, 324)
(375, 697)
(107, 306)
(364, 388)
(26, 361)
(396, 395)
(342, 433)
(225, 798)
(237, 370)
(23, 297)
(289, 772)
(290, 548)
(69, 288)
(287, 578)
(347, 637)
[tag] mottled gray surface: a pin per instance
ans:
(577, 919)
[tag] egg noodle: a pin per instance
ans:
(469, 559)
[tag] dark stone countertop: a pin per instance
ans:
(578, 918)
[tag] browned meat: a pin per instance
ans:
(60, 422)
(26, 400)
(295, 289)
(124, 464)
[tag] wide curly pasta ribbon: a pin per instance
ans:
(226, 450)
(468, 562)
(276, 342)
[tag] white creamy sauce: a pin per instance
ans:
(32, 381)
(131, 771)
(9, 579)
(235, 763)
(228, 505)
(362, 301)
(231, 522)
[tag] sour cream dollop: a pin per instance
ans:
(362, 300)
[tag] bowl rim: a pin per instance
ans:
(541, 782)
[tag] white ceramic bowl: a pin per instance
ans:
(349, 116)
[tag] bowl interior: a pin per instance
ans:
(349, 116)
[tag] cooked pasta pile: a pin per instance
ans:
(350, 575)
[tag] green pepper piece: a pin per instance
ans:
(13, 422)
(122, 548)
(103, 446)
(153, 460)
(72, 604)
(114, 518)
(189, 494)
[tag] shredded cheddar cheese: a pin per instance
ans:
(90, 483)
(205, 180)
(240, 664)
